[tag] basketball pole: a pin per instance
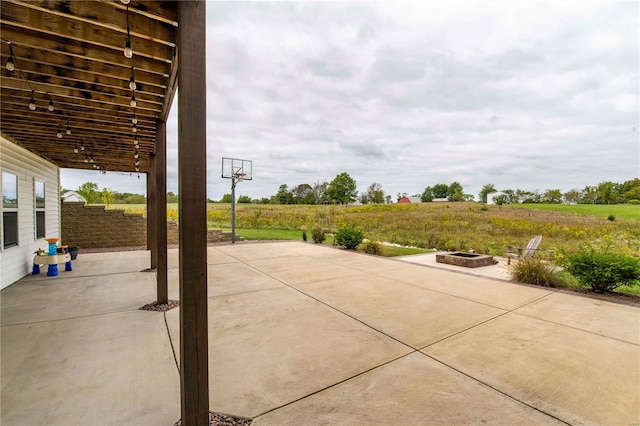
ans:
(233, 210)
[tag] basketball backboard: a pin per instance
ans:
(234, 168)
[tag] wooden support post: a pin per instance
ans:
(151, 212)
(192, 177)
(161, 211)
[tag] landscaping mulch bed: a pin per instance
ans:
(219, 419)
(161, 307)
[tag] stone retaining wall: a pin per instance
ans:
(95, 227)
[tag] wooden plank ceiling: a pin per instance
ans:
(71, 54)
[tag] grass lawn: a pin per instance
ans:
(620, 211)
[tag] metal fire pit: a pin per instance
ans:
(468, 260)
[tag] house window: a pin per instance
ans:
(39, 209)
(9, 210)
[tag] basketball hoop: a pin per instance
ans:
(237, 170)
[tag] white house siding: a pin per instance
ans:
(16, 262)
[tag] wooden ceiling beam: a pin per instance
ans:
(31, 43)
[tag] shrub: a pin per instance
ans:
(611, 217)
(602, 271)
(371, 247)
(349, 237)
(304, 235)
(634, 202)
(318, 234)
(538, 272)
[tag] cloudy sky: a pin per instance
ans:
(530, 95)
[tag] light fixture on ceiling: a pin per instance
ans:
(50, 107)
(32, 103)
(132, 81)
(11, 61)
(59, 134)
(81, 146)
(134, 129)
(68, 128)
(75, 149)
(86, 159)
(136, 144)
(133, 102)
(125, 1)
(135, 154)
(134, 120)
(128, 50)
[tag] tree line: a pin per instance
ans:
(343, 190)
(604, 193)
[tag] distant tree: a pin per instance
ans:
(173, 198)
(107, 197)
(244, 199)
(363, 198)
(552, 196)
(303, 194)
(89, 191)
(501, 199)
(401, 195)
(605, 193)
(427, 195)
(630, 190)
(440, 190)
(588, 195)
(512, 197)
(375, 194)
(318, 190)
(226, 198)
(572, 196)
(284, 196)
(486, 190)
(342, 189)
(455, 192)
(135, 199)
(388, 198)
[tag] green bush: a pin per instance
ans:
(611, 217)
(349, 237)
(318, 234)
(538, 272)
(602, 271)
(371, 247)
(304, 235)
(634, 202)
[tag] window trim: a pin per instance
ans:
(15, 210)
(37, 209)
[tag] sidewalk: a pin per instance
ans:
(308, 334)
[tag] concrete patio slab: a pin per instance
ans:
(596, 316)
(414, 315)
(231, 278)
(294, 339)
(268, 348)
(257, 251)
(411, 391)
(46, 300)
(498, 293)
(580, 377)
(306, 269)
(111, 369)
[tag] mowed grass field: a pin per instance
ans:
(442, 226)
(619, 211)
